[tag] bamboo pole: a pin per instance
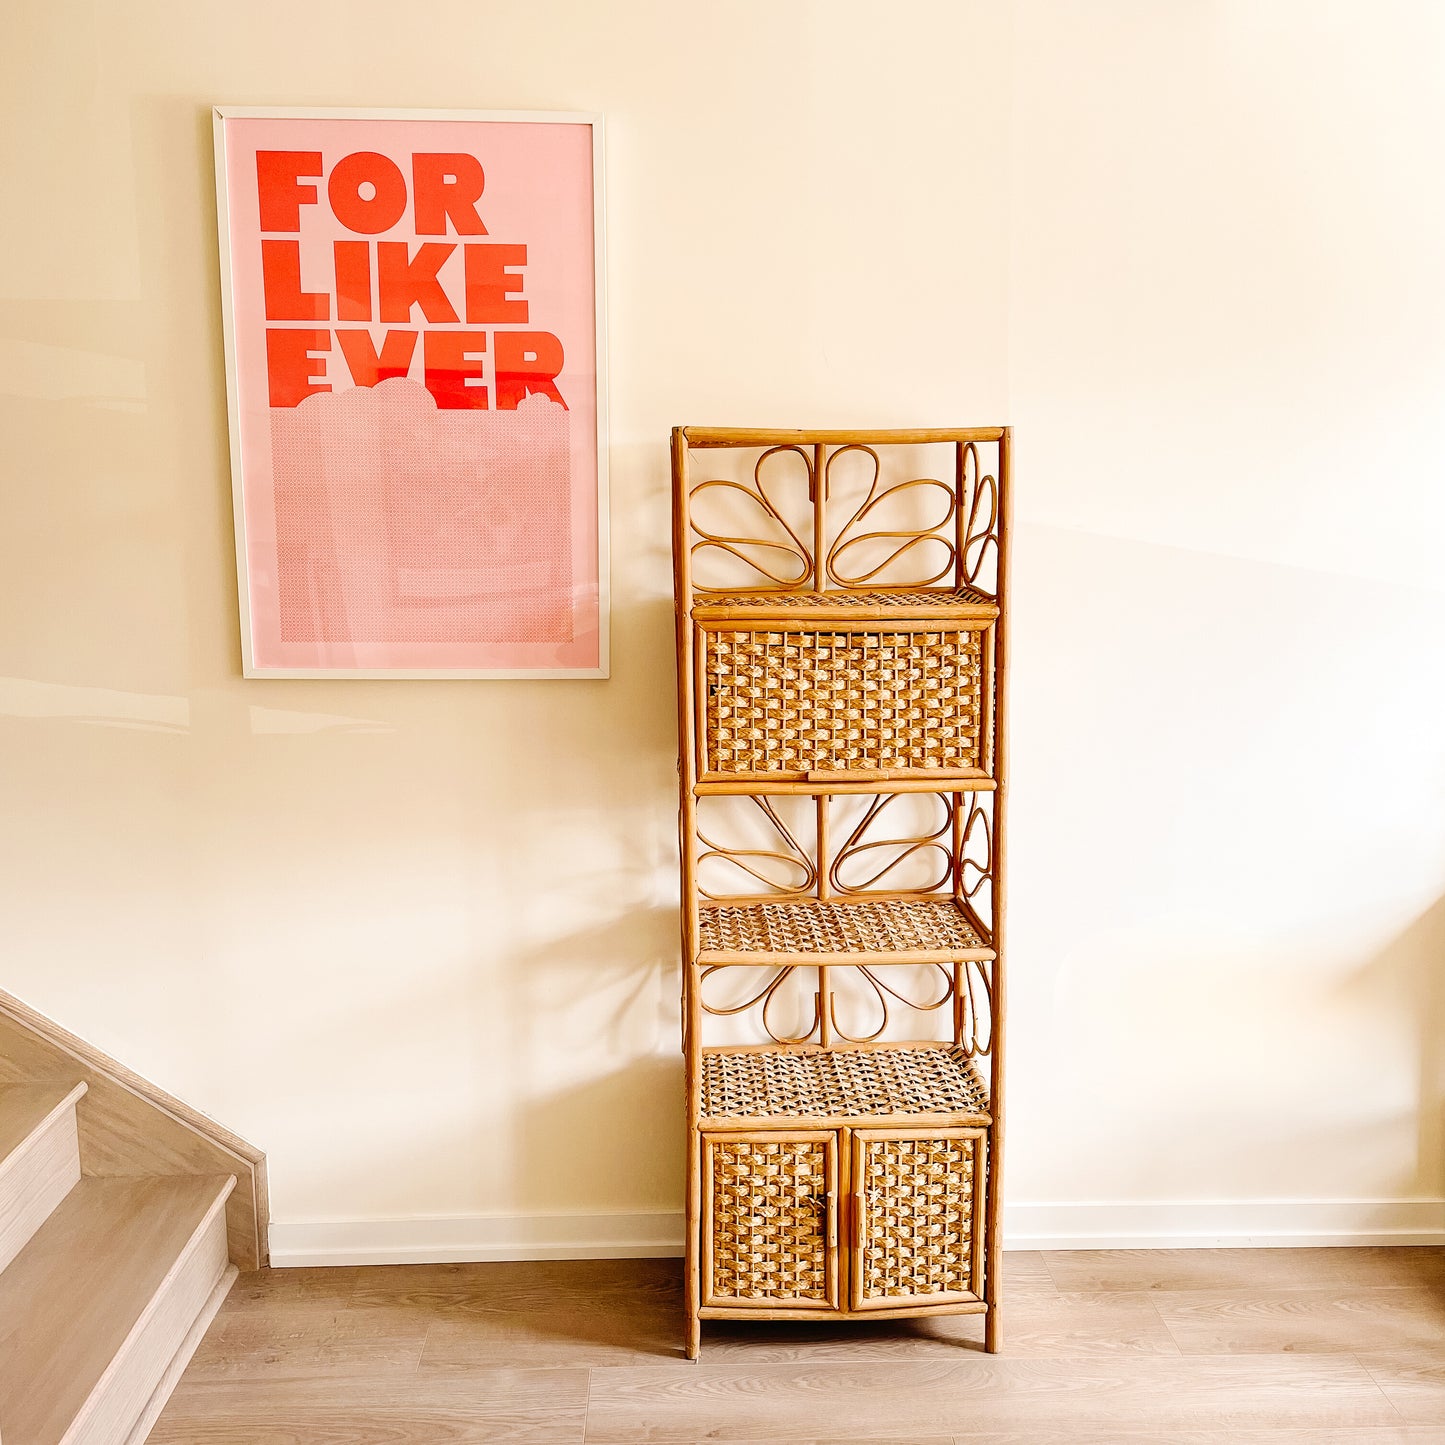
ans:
(994, 1201)
(820, 515)
(960, 515)
(825, 892)
(687, 845)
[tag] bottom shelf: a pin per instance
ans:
(903, 1080)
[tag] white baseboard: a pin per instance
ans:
(1224, 1224)
(461, 1239)
(1190, 1224)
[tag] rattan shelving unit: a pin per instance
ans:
(842, 653)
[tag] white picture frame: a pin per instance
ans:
(262, 641)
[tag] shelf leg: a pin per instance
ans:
(991, 1341)
(694, 1338)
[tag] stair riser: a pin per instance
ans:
(35, 1179)
(124, 1392)
(176, 1370)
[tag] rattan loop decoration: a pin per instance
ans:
(852, 991)
(746, 548)
(882, 992)
(975, 862)
(896, 852)
(974, 989)
(980, 544)
(754, 862)
(764, 1000)
(854, 534)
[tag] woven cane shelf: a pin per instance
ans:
(841, 645)
(891, 929)
(842, 1084)
(874, 605)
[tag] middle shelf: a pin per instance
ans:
(903, 1080)
(849, 930)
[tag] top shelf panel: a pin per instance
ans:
(724, 436)
(878, 604)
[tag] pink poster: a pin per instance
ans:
(413, 315)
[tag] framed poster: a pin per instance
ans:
(414, 326)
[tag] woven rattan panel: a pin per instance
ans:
(792, 702)
(967, 596)
(873, 925)
(841, 1084)
(918, 1217)
(768, 1220)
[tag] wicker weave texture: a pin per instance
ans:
(870, 925)
(918, 1217)
(792, 702)
(841, 1083)
(769, 1238)
(957, 596)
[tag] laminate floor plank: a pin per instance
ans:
(1384, 1435)
(521, 1407)
(457, 1342)
(268, 1290)
(1312, 1321)
(1074, 1325)
(1026, 1271)
(1246, 1269)
(905, 1400)
(578, 1286)
(307, 1343)
(1413, 1380)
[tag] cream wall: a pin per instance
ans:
(417, 940)
(1227, 367)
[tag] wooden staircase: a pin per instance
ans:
(118, 1240)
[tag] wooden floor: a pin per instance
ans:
(1208, 1347)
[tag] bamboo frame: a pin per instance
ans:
(698, 437)
(842, 595)
(857, 785)
(993, 1203)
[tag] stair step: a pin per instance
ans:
(39, 1158)
(94, 1309)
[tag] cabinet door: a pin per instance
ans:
(917, 1216)
(782, 699)
(770, 1220)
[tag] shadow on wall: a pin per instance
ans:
(1406, 979)
(608, 1140)
(601, 1004)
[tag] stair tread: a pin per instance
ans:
(25, 1107)
(70, 1298)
